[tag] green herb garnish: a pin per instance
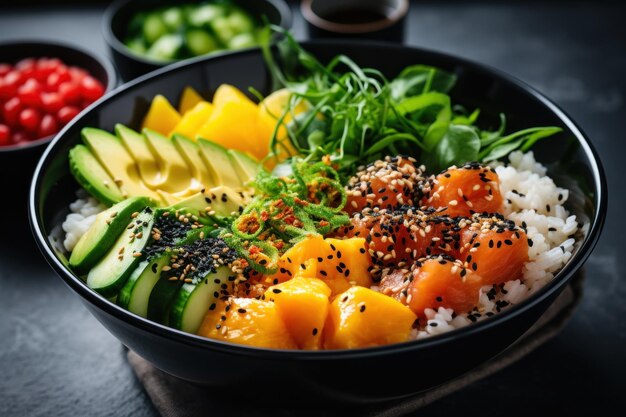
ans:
(285, 210)
(358, 116)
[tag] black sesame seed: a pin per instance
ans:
(241, 310)
(314, 331)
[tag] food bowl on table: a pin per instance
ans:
(127, 24)
(357, 375)
(18, 158)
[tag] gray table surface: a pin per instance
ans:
(56, 360)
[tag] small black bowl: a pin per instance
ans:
(361, 375)
(382, 20)
(131, 65)
(17, 162)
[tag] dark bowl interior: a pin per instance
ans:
(17, 162)
(362, 375)
(118, 15)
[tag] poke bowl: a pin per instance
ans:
(216, 338)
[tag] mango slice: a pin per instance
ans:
(247, 321)
(188, 100)
(161, 117)
(361, 317)
(303, 305)
(339, 263)
(193, 120)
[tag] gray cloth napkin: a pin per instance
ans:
(173, 397)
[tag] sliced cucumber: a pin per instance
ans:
(164, 290)
(199, 42)
(112, 271)
(153, 28)
(135, 294)
(104, 231)
(193, 300)
(166, 47)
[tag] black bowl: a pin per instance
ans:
(17, 162)
(119, 13)
(364, 375)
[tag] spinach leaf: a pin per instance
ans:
(419, 79)
(459, 145)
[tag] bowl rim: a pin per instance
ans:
(101, 59)
(159, 330)
(116, 43)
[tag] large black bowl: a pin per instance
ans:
(353, 375)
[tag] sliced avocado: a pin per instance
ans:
(216, 157)
(246, 165)
(138, 149)
(215, 202)
(191, 153)
(175, 172)
(112, 271)
(110, 152)
(193, 300)
(103, 233)
(92, 176)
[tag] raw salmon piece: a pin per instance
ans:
(443, 282)
(473, 188)
(387, 184)
(497, 253)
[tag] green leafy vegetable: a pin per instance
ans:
(358, 116)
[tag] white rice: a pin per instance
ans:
(83, 213)
(531, 197)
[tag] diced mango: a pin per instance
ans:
(188, 100)
(227, 93)
(193, 120)
(303, 305)
(233, 122)
(248, 322)
(361, 317)
(339, 263)
(161, 116)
